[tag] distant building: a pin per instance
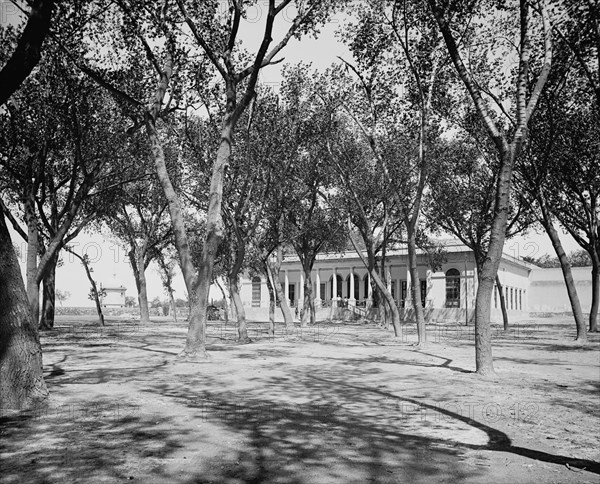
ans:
(448, 293)
(112, 293)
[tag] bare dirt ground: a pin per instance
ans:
(335, 403)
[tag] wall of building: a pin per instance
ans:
(548, 292)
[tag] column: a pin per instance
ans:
(318, 292)
(409, 284)
(286, 287)
(301, 290)
(335, 288)
(369, 291)
(351, 298)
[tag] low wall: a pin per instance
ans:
(113, 312)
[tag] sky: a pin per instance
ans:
(108, 257)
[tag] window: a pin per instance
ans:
(520, 300)
(256, 283)
(423, 292)
(393, 285)
(512, 300)
(292, 293)
(453, 288)
(322, 291)
(403, 291)
(495, 297)
(366, 286)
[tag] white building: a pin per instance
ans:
(112, 293)
(447, 294)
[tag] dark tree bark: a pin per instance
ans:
(500, 290)
(138, 266)
(49, 295)
(29, 49)
(21, 381)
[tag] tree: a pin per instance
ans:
(167, 263)
(62, 296)
(459, 201)
(95, 294)
(508, 140)
(21, 380)
(239, 78)
(28, 51)
(140, 220)
(57, 156)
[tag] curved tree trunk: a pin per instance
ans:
(288, 319)
(382, 289)
(49, 295)
(565, 266)
(195, 346)
(489, 268)
(225, 303)
(415, 289)
(21, 381)
(500, 290)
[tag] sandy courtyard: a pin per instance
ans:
(335, 403)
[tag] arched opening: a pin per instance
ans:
(453, 288)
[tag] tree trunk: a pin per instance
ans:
(382, 289)
(49, 295)
(502, 302)
(271, 300)
(195, 345)
(225, 303)
(137, 265)
(173, 305)
(284, 306)
(308, 305)
(489, 269)
(565, 266)
(196, 339)
(33, 286)
(415, 289)
(595, 292)
(234, 289)
(21, 380)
